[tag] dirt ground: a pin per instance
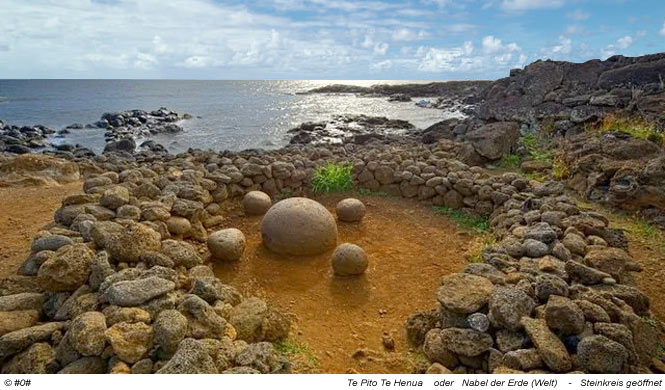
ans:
(340, 321)
(23, 212)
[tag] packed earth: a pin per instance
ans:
(467, 247)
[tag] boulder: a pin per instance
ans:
(137, 292)
(39, 358)
(227, 244)
(18, 340)
(311, 228)
(600, 355)
(37, 169)
(466, 342)
(349, 259)
(507, 306)
(17, 319)
(130, 242)
(563, 315)
(248, 319)
(182, 253)
(464, 293)
(170, 329)
(551, 349)
(67, 269)
(130, 341)
(435, 349)
(256, 203)
(115, 197)
(350, 210)
(190, 358)
(86, 333)
(493, 140)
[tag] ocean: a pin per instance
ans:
(227, 115)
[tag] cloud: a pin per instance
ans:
(381, 66)
(559, 49)
(524, 5)
(492, 45)
(405, 34)
(380, 49)
(578, 15)
(662, 30)
(622, 43)
(495, 57)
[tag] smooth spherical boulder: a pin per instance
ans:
(256, 203)
(298, 226)
(350, 210)
(349, 259)
(226, 244)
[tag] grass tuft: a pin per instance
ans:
(510, 161)
(332, 177)
(560, 170)
(538, 147)
(635, 126)
(292, 348)
(464, 219)
(479, 245)
(368, 192)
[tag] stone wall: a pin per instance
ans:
(113, 286)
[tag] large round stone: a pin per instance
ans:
(350, 210)
(226, 244)
(298, 226)
(256, 203)
(349, 259)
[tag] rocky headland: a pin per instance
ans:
(121, 282)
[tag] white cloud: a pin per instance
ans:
(622, 43)
(662, 31)
(494, 57)
(524, 5)
(380, 49)
(492, 45)
(558, 50)
(405, 34)
(578, 15)
(381, 66)
(625, 42)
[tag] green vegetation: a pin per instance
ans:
(332, 177)
(368, 192)
(286, 193)
(510, 161)
(560, 169)
(538, 147)
(482, 242)
(635, 126)
(293, 348)
(464, 219)
(636, 228)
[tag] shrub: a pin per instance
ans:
(332, 177)
(464, 219)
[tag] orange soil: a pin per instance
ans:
(410, 247)
(24, 211)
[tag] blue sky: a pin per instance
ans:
(316, 39)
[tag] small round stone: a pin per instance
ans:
(226, 244)
(350, 210)
(349, 259)
(256, 203)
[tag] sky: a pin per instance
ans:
(316, 39)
